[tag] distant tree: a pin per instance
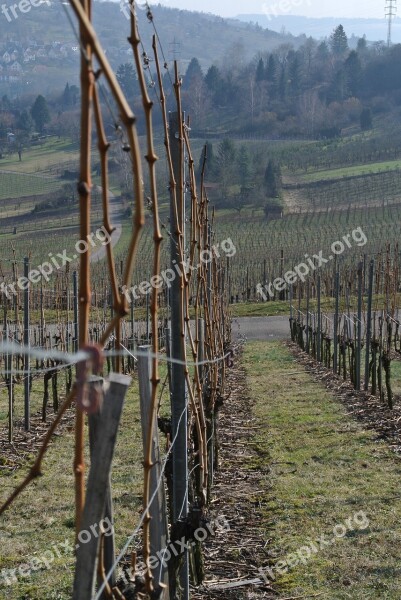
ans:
(213, 78)
(260, 71)
(127, 79)
(362, 45)
(339, 41)
(272, 179)
(271, 68)
(40, 113)
(322, 51)
(215, 84)
(366, 119)
(282, 84)
(193, 73)
(24, 122)
(294, 75)
(66, 100)
(308, 50)
(353, 69)
(74, 93)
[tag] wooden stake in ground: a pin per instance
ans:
(98, 481)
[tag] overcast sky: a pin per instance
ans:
(310, 8)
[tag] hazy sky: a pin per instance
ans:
(311, 8)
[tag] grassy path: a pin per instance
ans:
(329, 477)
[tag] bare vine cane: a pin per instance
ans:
(151, 159)
(199, 401)
(128, 119)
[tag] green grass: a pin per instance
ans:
(324, 468)
(365, 169)
(44, 156)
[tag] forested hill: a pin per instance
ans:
(42, 43)
(320, 89)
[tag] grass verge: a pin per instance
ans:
(325, 469)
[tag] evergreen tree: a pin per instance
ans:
(213, 78)
(272, 180)
(339, 42)
(353, 71)
(193, 73)
(214, 83)
(40, 113)
(74, 94)
(24, 122)
(271, 68)
(260, 71)
(66, 98)
(322, 52)
(294, 75)
(127, 79)
(282, 84)
(362, 45)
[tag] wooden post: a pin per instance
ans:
(27, 408)
(335, 333)
(75, 292)
(158, 525)
(98, 485)
(307, 316)
(359, 331)
(179, 410)
(319, 320)
(369, 323)
(10, 386)
(109, 553)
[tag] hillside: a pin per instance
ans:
(45, 53)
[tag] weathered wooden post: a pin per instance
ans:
(27, 408)
(98, 485)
